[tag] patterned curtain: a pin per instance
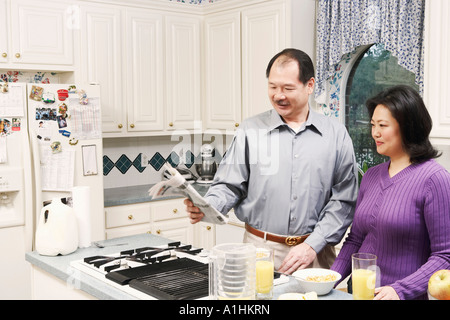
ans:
(343, 25)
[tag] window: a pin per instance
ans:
(374, 70)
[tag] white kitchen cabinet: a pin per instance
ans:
(127, 220)
(144, 71)
(101, 60)
(3, 33)
(36, 36)
(239, 44)
(166, 218)
(170, 220)
(264, 30)
(183, 82)
(204, 235)
(223, 70)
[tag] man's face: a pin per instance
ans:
(287, 94)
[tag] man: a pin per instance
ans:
(289, 173)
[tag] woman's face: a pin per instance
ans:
(386, 133)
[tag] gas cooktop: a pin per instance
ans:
(171, 272)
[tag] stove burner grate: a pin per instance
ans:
(180, 284)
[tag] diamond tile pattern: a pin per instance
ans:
(123, 164)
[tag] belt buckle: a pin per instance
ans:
(292, 241)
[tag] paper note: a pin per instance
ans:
(57, 169)
(12, 102)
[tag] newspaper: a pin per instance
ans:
(177, 185)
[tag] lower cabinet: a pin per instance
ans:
(166, 218)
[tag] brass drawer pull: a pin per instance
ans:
(130, 217)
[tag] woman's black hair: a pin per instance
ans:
(306, 67)
(408, 108)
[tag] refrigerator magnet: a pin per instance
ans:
(56, 147)
(63, 94)
(48, 97)
(36, 93)
(63, 110)
(4, 87)
(62, 123)
(83, 97)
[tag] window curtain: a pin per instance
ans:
(343, 25)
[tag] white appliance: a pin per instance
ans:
(50, 146)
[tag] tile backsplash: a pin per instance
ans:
(123, 159)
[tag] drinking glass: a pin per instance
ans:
(364, 267)
(264, 273)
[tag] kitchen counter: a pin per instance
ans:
(137, 194)
(60, 268)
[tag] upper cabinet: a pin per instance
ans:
(36, 36)
(147, 63)
(101, 61)
(223, 71)
(238, 46)
(183, 81)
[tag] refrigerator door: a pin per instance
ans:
(65, 135)
(16, 193)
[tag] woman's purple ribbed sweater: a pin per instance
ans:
(405, 222)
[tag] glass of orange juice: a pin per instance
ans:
(364, 267)
(264, 273)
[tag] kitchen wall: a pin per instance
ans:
(124, 164)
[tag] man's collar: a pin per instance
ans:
(313, 119)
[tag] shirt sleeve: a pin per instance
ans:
(230, 181)
(337, 214)
(437, 220)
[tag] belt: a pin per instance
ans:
(290, 240)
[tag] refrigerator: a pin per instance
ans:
(50, 146)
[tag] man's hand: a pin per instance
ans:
(194, 212)
(299, 257)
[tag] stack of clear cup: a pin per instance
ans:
(232, 272)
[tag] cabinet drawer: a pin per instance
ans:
(128, 231)
(168, 209)
(127, 215)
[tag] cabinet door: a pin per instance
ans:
(264, 30)
(101, 60)
(204, 235)
(176, 230)
(223, 71)
(40, 33)
(3, 32)
(145, 69)
(183, 71)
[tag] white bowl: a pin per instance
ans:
(320, 287)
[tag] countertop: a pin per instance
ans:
(137, 194)
(60, 267)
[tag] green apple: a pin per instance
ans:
(439, 285)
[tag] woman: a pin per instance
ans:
(403, 208)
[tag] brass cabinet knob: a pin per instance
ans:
(236, 124)
(208, 228)
(149, 232)
(175, 210)
(130, 217)
(17, 55)
(171, 124)
(131, 125)
(158, 231)
(4, 54)
(120, 126)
